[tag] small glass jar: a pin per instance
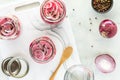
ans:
(16, 67)
(9, 27)
(42, 49)
(78, 72)
(102, 6)
(52, 12)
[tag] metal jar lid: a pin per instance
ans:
(14, 66)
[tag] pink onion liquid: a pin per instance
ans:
(53, 11)
(42, 49)
(9, 27)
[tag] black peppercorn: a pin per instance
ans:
(102, 6)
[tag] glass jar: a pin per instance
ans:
(9, 27)
(52, 12)
(102, 6)
(44, 48)
(78, 72)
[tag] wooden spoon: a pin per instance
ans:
(66, 54)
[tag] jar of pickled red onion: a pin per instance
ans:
(46, 48)
(53, 11)
(42, 49)
(9, 27)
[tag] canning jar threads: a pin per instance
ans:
(15, 66)
(9, 27)
(102, 6)
(78, 72)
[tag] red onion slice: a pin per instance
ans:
(105, 63)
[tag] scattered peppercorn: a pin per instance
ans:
(79, 23)
(73, 9)
(90, 19)
(91, 23)
(96, 18)
(90, 30)
(92, 46)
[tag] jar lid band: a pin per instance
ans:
(12, 66)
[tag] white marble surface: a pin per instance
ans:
(90, 43)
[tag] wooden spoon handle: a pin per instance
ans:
(66, 54)
(54, 73)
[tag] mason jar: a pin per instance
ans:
(9, 27)
(78, 72)
(52, 13)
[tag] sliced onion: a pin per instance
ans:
(105, 63)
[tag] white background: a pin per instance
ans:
(80, 22)
(20, 46)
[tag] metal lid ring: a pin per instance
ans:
(9, 67)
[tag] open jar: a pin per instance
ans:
(9, 27)
(102, 6)
(78, 72)
(52, 13)
(44, 48)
